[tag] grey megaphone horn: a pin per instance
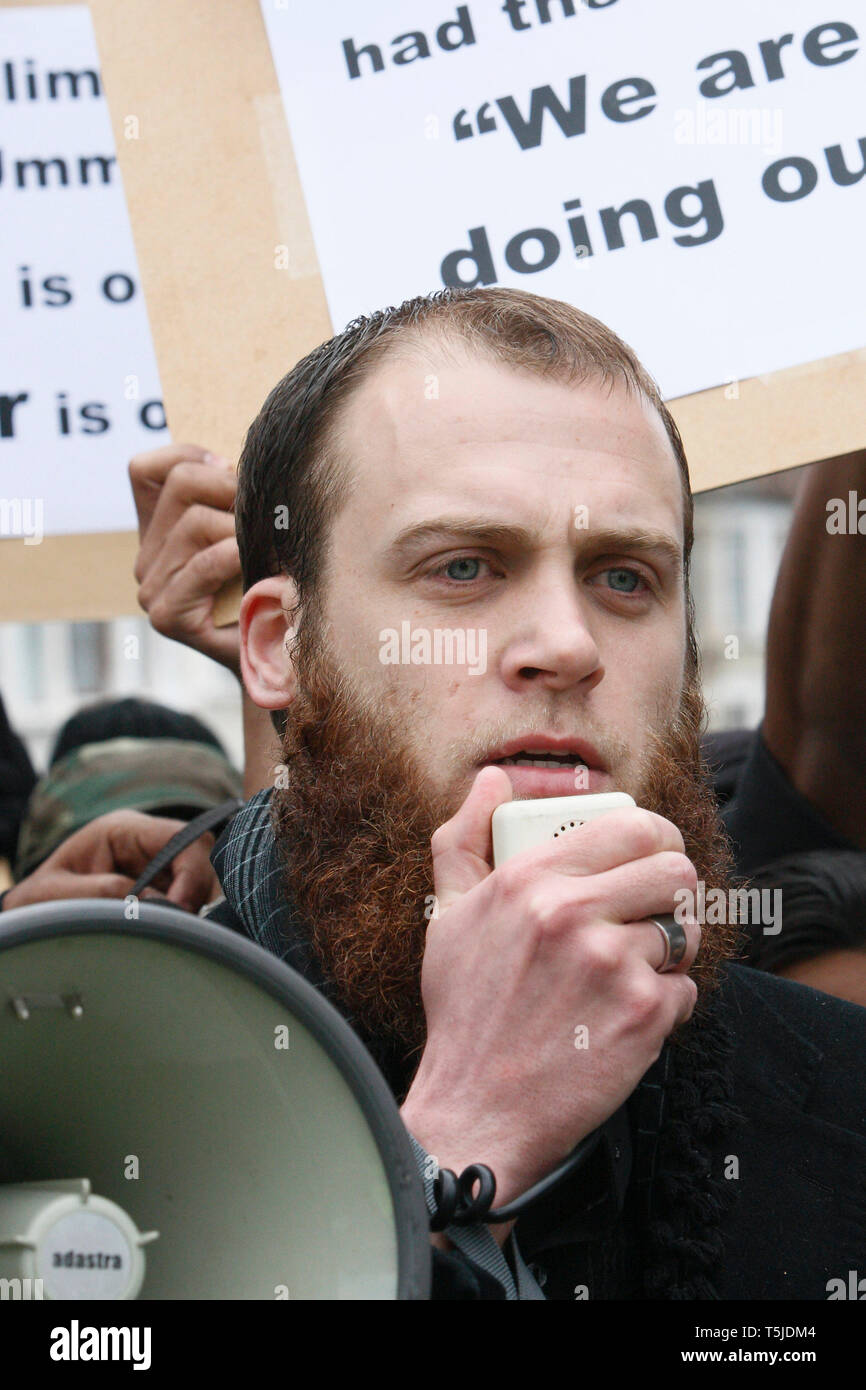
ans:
(182, 1116)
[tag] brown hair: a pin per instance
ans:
(292, 477)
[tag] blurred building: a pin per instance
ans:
(740, 533)
(50, 670)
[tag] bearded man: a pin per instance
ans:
(519, 442)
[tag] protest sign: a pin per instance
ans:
(720, 248)
(694, 176)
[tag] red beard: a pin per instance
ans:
(353, 829)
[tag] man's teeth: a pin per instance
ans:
(546, 760)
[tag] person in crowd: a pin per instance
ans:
(127, 754)
(537, 495)
(105, 857)
(17, 780)
(802, 786)
(819, 937)
(184, 498)
(725, 752)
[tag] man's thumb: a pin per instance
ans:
(463, 847)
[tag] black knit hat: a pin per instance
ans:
(129, 718)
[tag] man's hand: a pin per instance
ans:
(184, 498)
(543, 1002)
(104, 859)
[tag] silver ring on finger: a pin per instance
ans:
(675, 940)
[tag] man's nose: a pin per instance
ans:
(552, 643)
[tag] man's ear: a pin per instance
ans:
(266, 641)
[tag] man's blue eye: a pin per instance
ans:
(464, 560)
(624, 581)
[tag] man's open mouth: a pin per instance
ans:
(541, 760)
(545, 751)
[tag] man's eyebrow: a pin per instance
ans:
(481, 530)
(636, 540)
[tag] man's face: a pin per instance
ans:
(537, 528)
(562, 561)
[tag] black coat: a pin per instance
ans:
(757, 1189)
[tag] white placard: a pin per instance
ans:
(505, 116)
(79, 387)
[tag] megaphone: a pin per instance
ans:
(183, 1116)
